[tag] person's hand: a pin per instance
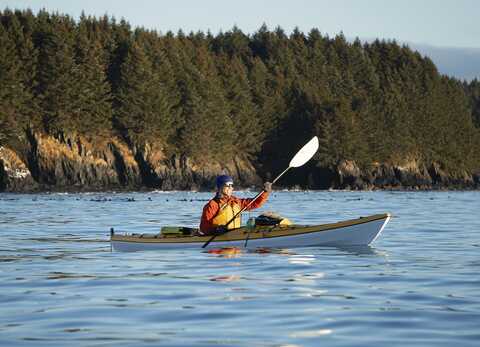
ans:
(267, 186)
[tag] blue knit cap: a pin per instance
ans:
(224, 179)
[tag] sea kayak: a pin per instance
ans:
(355, 232)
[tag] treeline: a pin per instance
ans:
(214, 96)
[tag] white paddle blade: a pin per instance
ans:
(306, 153)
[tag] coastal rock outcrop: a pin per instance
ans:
(410, 175)
(15, 175)
(74, 163)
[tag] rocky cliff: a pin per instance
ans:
(78, 164)
(410, 175)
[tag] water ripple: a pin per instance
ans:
(61, 284)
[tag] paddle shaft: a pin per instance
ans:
(243, 209)
(255, 198)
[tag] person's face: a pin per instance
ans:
(227, 189)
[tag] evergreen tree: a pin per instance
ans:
(242, 109)
(214, 114)
(473, 91)
(57, 74)
(208, 130)
(17, 105)
(20, 29)
(143, 110)
(10, 88)
(94, 95)
(118, 47)
(267, 94)
(232, 43)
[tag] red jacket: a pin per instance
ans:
(210, 210)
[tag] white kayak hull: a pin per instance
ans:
(357, 232)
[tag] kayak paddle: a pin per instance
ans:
(303, 155)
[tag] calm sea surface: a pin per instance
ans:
(417, 285)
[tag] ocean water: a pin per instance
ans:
(61, 285)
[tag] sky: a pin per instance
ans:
(437, 23)
(448, 23)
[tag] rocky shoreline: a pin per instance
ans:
(75, 164)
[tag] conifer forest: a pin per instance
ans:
(212, 98)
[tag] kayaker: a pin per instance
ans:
(221, 209)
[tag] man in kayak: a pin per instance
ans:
(221, 209)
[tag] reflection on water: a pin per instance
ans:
(226, 252)
(304, 259)
(60, 284)
(362, 250)
(62, 275)
(311, 333)
(228, 278)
